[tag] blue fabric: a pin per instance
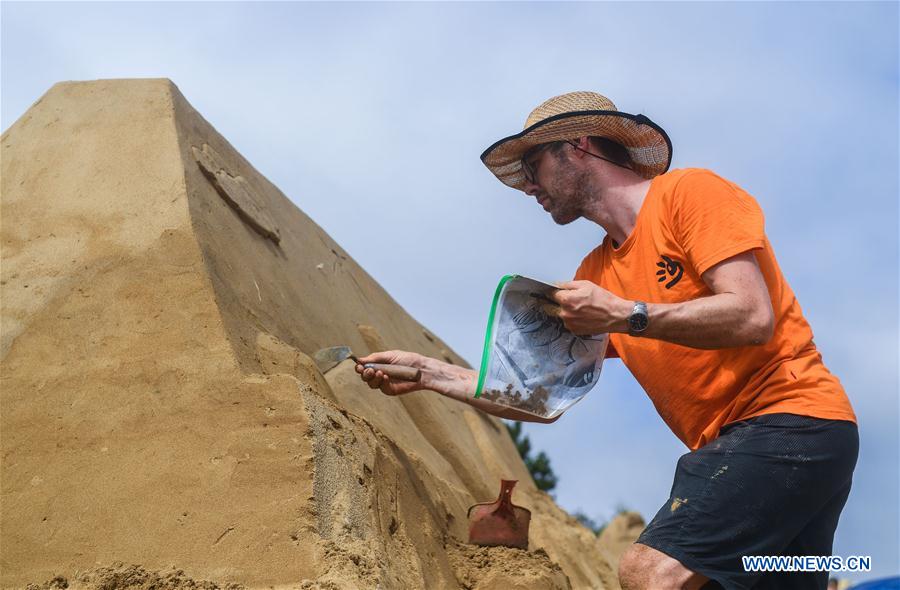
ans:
(882, 584)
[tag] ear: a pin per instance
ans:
(584, 145)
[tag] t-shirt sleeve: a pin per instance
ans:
(714, 219)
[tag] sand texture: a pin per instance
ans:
(163, 424)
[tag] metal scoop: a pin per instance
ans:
(500, 522)
(328, 358)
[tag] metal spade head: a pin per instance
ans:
(500, 522)
(328, 358)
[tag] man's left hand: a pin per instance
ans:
(587, 309)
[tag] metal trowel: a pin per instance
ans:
(500, 522)
(328, 358)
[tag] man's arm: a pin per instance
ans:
(738, 313)
(451, 381)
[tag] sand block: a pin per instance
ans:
(160, 406)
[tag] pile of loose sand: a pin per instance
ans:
(505, 568)
(134, 577)
(161, 301)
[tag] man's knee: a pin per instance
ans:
(642, 567)
(629, 568)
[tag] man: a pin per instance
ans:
(686, 284)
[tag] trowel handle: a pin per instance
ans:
(396, 371)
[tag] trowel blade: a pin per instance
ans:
(328, 358)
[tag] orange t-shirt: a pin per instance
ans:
(691, 220)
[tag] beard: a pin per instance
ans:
(564, 216)
(568, 198)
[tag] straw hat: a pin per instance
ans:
(575, 115)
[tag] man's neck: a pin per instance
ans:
(617, 205)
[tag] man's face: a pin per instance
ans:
(558, 184)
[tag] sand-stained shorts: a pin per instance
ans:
(770, 485)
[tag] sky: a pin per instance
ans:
(371, 118)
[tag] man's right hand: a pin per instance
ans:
(379, 380)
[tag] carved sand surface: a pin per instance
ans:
(163, 424)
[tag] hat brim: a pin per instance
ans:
(647, 144)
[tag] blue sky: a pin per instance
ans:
(371, 117)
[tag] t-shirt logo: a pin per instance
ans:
(669, 267)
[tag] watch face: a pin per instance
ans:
(638, 322)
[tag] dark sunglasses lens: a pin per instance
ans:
(527, 168)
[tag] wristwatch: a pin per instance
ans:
(638, 320)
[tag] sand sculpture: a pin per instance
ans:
(160, 303)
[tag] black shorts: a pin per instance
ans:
(771, 485)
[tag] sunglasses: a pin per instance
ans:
(529, 168)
